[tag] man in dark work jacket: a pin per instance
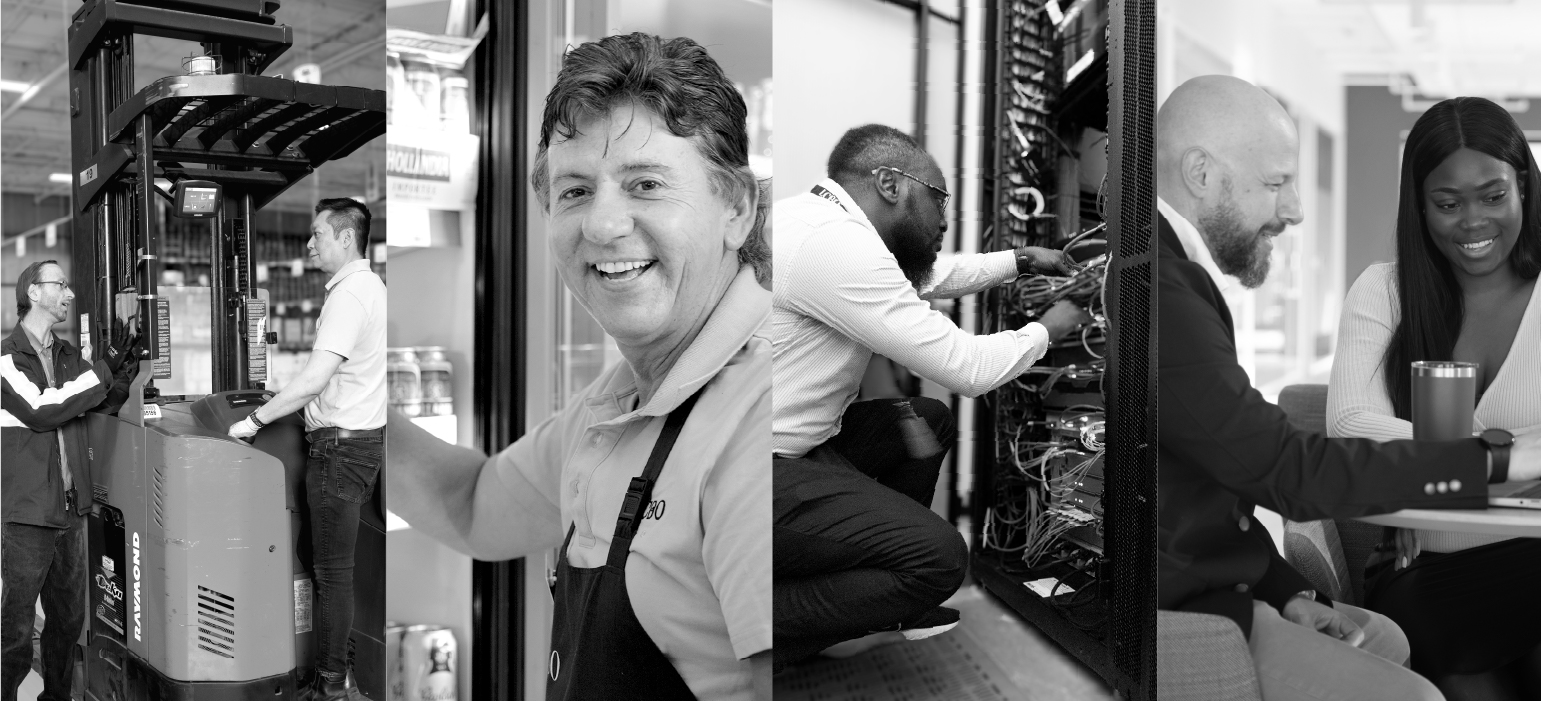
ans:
(1227, 160)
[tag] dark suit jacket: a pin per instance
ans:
(1225, 449)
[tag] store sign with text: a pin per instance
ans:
(431, 169)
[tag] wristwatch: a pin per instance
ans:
(1498, 442)
(1307, 594)
(256, 421)
(1024, 263)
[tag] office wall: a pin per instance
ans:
(1198, 37)
(852, 63)
(1284, 328)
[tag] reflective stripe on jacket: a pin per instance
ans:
(31, 412)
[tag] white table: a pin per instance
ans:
(1491, 521)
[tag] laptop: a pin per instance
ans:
(1515, 495)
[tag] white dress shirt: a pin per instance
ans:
(840, 296)
(1193, 244)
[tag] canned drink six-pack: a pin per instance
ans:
(403, 381)
(438, 381)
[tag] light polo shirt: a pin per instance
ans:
(840, 296)
(699, 573)
(352, 325)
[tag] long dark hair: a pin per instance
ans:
(1429, 296)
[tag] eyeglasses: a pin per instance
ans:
(946, 196)
(63, 284)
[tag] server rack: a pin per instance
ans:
(1066, 490)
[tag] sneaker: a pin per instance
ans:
(934, 622)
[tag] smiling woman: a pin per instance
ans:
(662, 513)
(1463, 288)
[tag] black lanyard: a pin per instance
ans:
(824, 192)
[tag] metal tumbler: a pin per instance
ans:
(1444, 399)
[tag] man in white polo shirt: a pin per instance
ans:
(342, 389)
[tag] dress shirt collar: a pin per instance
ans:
(739, 315)
(1193, 243)
(847, 202)
(41, 345)
(346, 270)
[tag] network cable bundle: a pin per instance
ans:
(1041, 506)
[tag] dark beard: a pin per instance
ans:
(1236, 251)
(913, 247)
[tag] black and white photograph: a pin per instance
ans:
(959, 239)
(1348, 414)
(194, 373)
(581, 358)
(813, 350)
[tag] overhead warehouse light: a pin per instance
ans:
(63, 178)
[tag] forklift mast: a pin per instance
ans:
(223, 122)
(199, 544)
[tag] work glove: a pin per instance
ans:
(244, 429)
(116, 354)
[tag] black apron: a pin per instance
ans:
(599, 649)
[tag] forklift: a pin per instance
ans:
(199, 553)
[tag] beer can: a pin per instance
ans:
(438, 381)
(428, 663)
(404, 381)
(395, 679)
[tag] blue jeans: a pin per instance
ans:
(339, 478)
(51, 562)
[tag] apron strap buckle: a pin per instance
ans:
(636, 499)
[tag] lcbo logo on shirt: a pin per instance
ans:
(654, 511)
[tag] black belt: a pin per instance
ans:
(329, 433)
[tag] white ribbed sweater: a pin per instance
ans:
(1357, 402)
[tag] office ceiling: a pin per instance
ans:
(1448, 47)
(345, 37)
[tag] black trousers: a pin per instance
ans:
(49, 563)
(857, 547)
(1468, 611)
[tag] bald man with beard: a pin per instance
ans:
(1226, 183)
